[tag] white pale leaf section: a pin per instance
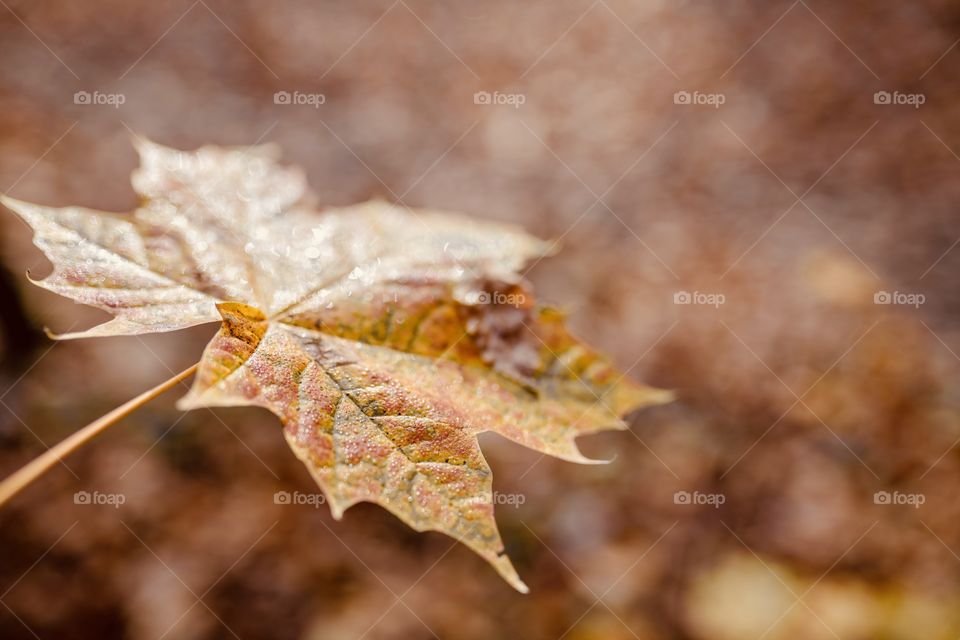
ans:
(101, 260)
(230, 224)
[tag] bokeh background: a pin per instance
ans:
(796, 203)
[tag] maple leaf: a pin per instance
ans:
(385, 339)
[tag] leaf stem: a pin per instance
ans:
(39, 465)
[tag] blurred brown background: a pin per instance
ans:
(800, 199)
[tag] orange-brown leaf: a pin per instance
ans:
(384, 338)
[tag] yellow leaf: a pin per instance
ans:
(385, 338)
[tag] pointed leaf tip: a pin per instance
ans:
(19, 207)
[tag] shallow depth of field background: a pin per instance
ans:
(798, 200)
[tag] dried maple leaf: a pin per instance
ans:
(384, 338)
